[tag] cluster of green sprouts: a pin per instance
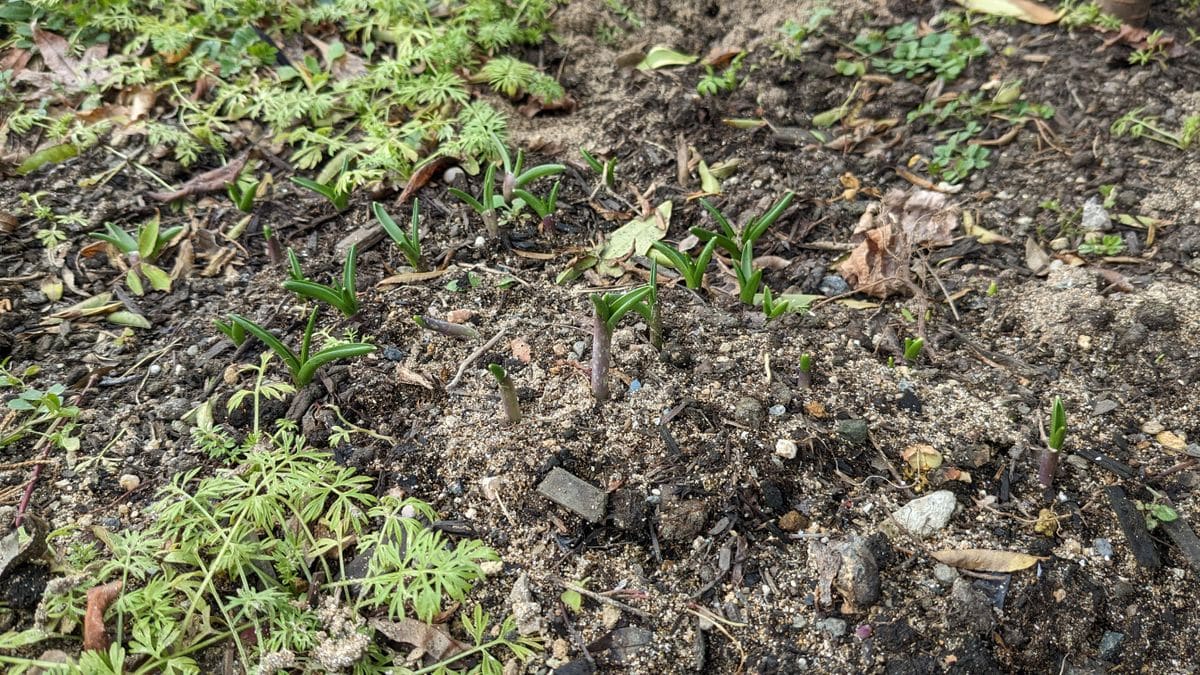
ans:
(140, 249)
(513, 194)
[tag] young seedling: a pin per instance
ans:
(912, 348)
(728, 239)
(805, 379)
(330, 191)
(302, 366)
(341, 296)
(242, 193)
(772, 308)
(1048, 466)
(274, 254)
(141, 252)
(508, 394)
(607, 170)
(607, 310)
(544, 208)
(654, 315)
(485, 206)
(410, 242)
(691, 269)
(515, 178)
(445, 327)
(748, 278)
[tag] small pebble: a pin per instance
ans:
(835, 627)
(833, 285)
(1104, 548)
(155, 369)
(634, 386)
(776, 411)
(785, 448)
(129, 482)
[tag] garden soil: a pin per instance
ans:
(747, 523)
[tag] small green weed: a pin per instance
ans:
(343, 296)
(303, 365)
(607, 311)
(1135, 124)
(41, 413)
(1107, 245)
(242, 192)
(410, 242)
(957, 157)
(140, 252)
(50, 236)
(712, 84)
(901, 50)
(606, 170)
(338, 197)
(795, 34)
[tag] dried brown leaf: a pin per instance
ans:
(986, 560)
(209, 181)
(95, 637)
(405, 375)
(425, 638)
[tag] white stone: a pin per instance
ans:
(926, 515)
(785, 448)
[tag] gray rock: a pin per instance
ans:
(1095, 216)
(574, 494)
(526, 610)
(853, 431)
(1104, 406)
(1157, 316)
(833, 626)
(926, 515)
(847, 566)
(749, 411)
(833, 285)
(970, 608)
(945, 574)
(627, 642)
(1110, 645)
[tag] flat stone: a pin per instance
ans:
(681, 520)
(749, 411)
(970, 608)
(627, 642)
(786, 448)
(833, 626)
(926, 515)
(1110, 645)
(574, 494)
(853, 431)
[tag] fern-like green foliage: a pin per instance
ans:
(383, 92)
(263, 550)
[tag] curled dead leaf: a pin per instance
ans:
(95, 636)
(986, 560)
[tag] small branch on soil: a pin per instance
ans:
(603, 599)
(462, 367)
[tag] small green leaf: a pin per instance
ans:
(159, 280)
(134, 282)
(660, 56)
(572, 599)
(50, 155)
(125, 318)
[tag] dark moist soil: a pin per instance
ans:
(708, 529)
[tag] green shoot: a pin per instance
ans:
(771, 308)
(339, 198)
(410, 243)
(140, 252)
(806, 366)
(607, 170)
(302, 366)
(654, 315)
(445, 327)
(712, 84)
(912, 348)
(1107, 245)
(342, 296)
(242, 193)
(1048, 465)
(748, 278)
(513, 176)
(607, 311)
(691, 269)
(545, 209)
(508, 394)
(485, 206)
(728, 239)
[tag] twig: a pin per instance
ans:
(603, 599)
(462, 367)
